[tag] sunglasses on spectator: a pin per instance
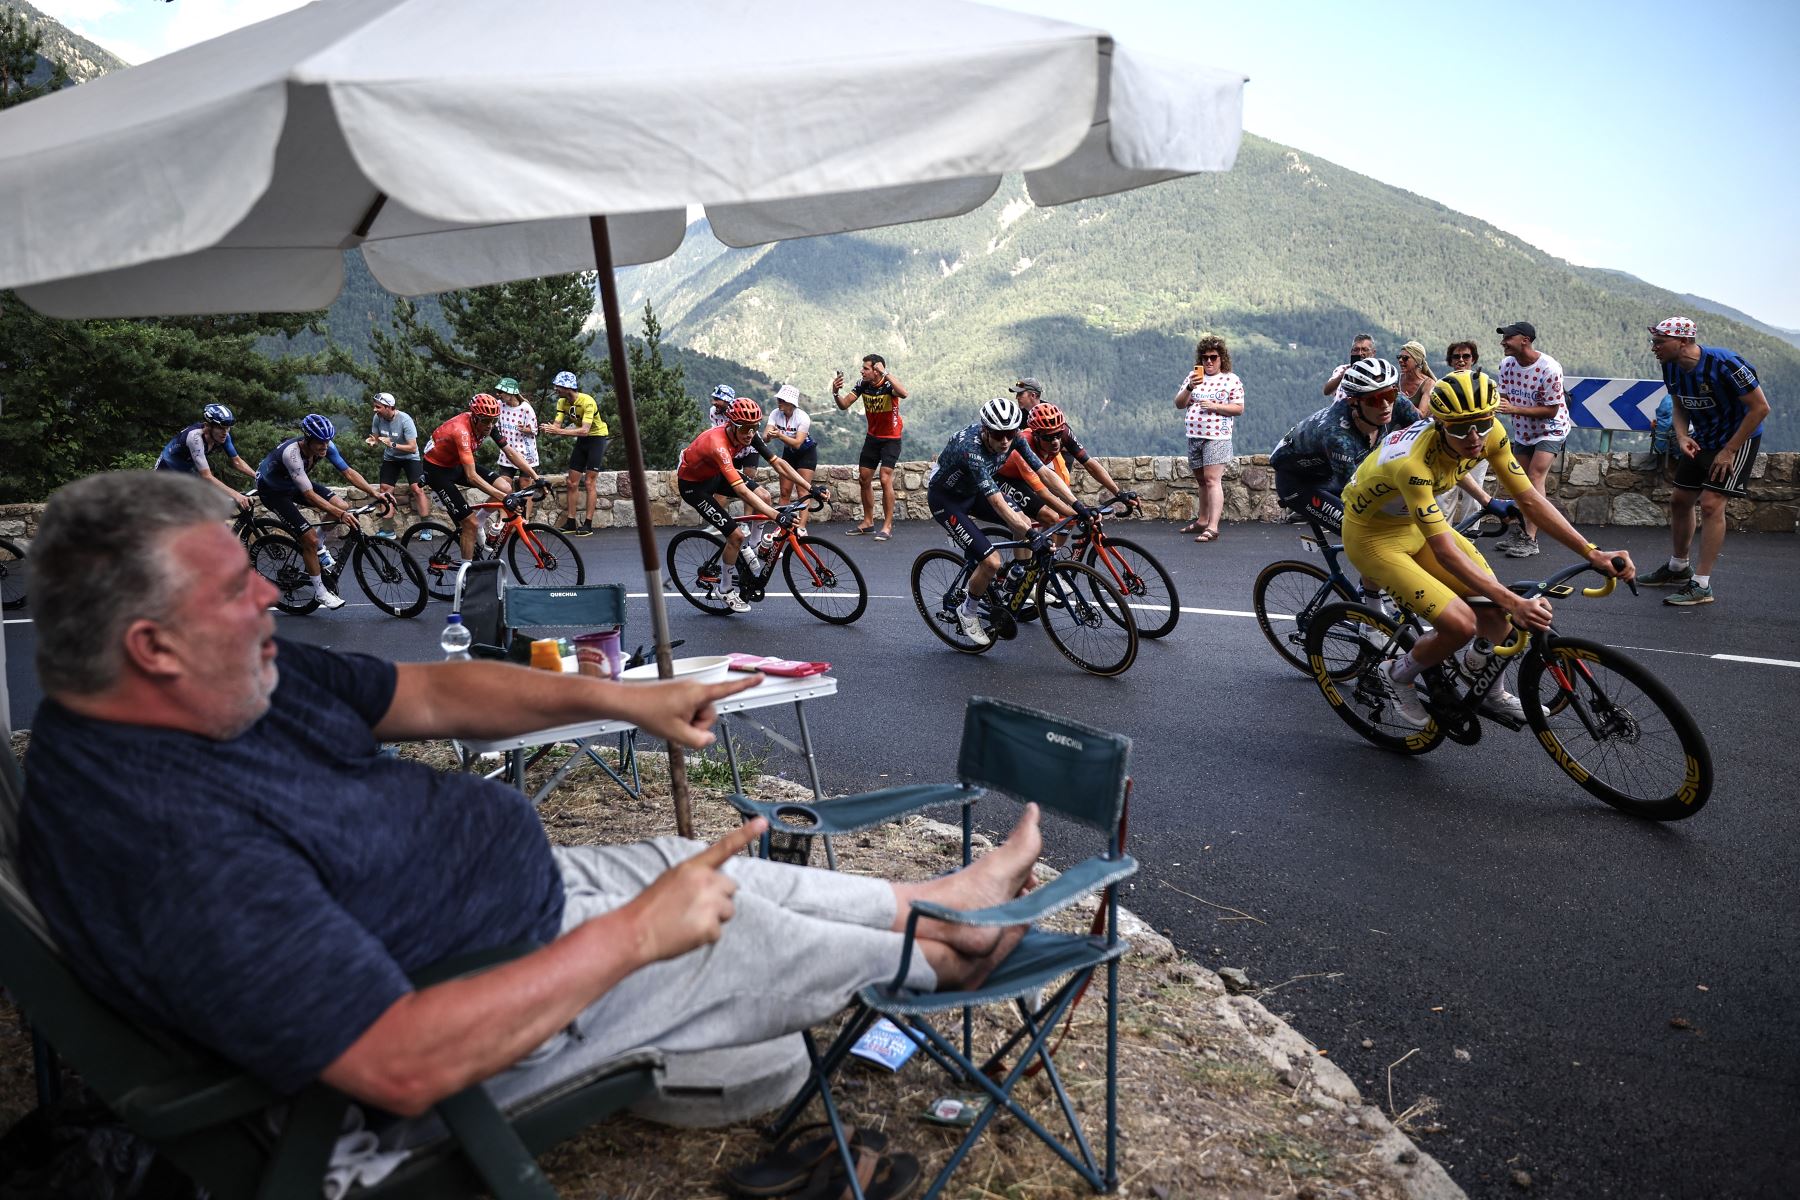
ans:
(1463, 429)
(1209, 358)
(1460, 355)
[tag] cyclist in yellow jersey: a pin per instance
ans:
(1399, 539)
(578, 417)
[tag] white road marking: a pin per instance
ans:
(1745, 658)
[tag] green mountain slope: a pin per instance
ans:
(1285, 255)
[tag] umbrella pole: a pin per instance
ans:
(640, 499)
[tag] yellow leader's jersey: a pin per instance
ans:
(1400, 482)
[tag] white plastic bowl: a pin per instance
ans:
(710, 668)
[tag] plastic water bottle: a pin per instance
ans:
(326, 562)
(455, 639)
(751, 563)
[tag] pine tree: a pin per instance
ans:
(668, 418)
(19, 62)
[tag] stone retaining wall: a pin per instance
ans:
(1594, 489)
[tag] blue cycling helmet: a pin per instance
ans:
(317, 427)
(724, 392)
(218, 414)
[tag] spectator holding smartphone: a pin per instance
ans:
(881, 395)
(1211, 397)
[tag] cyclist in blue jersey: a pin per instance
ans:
(1719, 410)
(188, 449)
(965, 489)
(283, 484)
(1313, 463)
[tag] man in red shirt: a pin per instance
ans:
(450, 465)
(881, 395)
(706, 472)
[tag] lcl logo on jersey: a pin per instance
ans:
(1063, 739)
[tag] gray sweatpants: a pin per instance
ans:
(800, 945)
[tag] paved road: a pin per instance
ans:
(1473, 900)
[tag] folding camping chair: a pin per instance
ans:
(1068, 769)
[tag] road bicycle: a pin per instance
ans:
(12, 574)
(1084, 615)
(392, 581)
(1287, 593)
(819, 575)
(1610, 724)
(538, 555)
(1133, 571)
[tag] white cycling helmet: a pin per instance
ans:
(565, 379)
(1002, 415)
(1370, 375)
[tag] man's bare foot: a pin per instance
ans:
(957, 971)
(994, 878)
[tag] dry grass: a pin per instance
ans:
(1202, 1113)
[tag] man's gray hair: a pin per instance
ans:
(100, 562)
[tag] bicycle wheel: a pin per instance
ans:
(1285, 597)
(438, 559)
(697, 568)
(1086, 618)
(279, 560)
(1615, 729)
(1135, 574)
(1346, 644)
(390, 579)
(551, 562)
(12, 575)
(828, 584)
(938, 588)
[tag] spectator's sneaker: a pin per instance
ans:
(1501, 703)
(587, 526)
(735, 601)
(970, 624)
(1403, 700)
(329, 600)
(1524, 547)
(1666, 576)
(425, 535)
(1691, 593)
(568, 525)
(1506, 541)
(386, 535)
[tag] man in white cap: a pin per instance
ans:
(790, 425)
(1719, 410)
(578, 417)
(398, 438)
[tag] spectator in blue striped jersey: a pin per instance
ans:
(1719, 410)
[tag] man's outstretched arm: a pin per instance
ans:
(492, 700)
(433, 1043)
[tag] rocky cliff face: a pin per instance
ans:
(82, 59)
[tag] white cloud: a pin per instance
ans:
(192, 21)
(73, 12)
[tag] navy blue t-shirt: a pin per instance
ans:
(1712, 394)
(267, 896)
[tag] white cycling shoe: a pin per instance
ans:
(735, 601)
(1403, 699)
(970, 624)
(329, 600)
(1501, 703)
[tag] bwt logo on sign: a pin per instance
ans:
(1063, 739)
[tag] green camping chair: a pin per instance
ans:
(212, 1119)
(1070, 770)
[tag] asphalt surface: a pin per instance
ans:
(1535, 947)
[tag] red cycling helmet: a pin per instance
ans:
(744, 411)
(484, 405)
(1046, 418)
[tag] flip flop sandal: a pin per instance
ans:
(1193, 527)
(859, 531)
(1208, 535)
(883, 536)
(881, 1176)
(795, 1158)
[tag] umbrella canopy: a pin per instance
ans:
(457, 144)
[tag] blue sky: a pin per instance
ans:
(1659, 140)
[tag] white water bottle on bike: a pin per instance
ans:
(326, 562)
(748, 559)
(455, 639)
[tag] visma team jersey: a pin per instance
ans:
(967, 468)
(1328, 446)
(1401, 479)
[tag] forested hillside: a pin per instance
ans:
(1286, 255)
(81, 58)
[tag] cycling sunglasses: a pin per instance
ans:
(1463, 429)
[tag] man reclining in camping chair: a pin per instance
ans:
(220, 849)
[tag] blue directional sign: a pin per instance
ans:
(1613, 403)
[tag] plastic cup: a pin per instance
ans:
(602, 651)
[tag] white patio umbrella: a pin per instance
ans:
(457, 143)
